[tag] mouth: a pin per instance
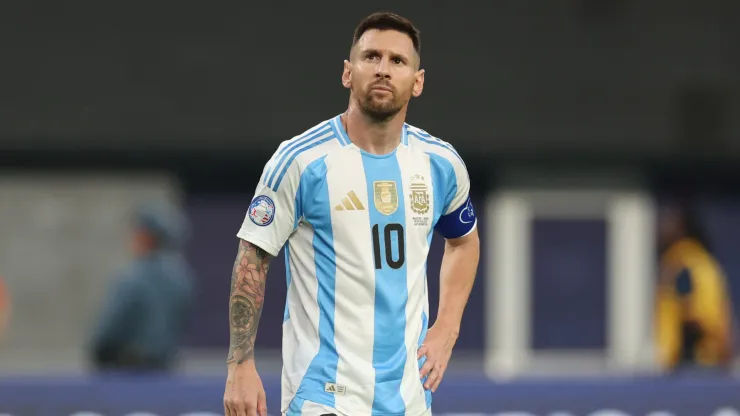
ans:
(381, 88)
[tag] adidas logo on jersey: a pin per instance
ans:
(350, 203)
(334, 388)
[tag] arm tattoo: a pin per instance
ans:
(246, 300)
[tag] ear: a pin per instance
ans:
(419, 83)
(347, 74)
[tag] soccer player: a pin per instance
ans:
(355, 201)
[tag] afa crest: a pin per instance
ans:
(385, 197)
(419, 196)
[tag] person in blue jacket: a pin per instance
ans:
(148, 306)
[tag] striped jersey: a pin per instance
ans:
(356, 228)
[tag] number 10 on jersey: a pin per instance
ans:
(392, 260)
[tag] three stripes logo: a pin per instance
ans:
(335, 388)
(350, 203)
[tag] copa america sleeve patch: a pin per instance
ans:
(459, 222)
(262, 210)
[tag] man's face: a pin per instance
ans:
(382, 73)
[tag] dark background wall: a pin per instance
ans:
(605, 77)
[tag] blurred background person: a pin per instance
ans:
(148, 307)
(693, 308)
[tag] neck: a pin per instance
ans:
(372, 136)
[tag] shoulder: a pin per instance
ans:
(294, 155)
(310, 144)
(423, 141)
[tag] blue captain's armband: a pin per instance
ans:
(459, 222)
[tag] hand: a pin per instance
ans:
(244, 395)
(437, 348)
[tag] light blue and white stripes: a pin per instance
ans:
(286, 156)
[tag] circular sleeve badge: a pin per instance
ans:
(262, 210)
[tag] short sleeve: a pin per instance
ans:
(273, 214)
(458, 217)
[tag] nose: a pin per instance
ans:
(383, 69)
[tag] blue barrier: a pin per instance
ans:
(178, 396)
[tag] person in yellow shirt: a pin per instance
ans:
(693, 308)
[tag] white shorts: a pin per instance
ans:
(313, 409)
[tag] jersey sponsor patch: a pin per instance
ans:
(262, 210)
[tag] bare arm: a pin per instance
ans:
(457, 275)
(459, 266)
(246, 300)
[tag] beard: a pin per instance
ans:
(380, 108)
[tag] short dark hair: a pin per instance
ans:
(388, 21)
